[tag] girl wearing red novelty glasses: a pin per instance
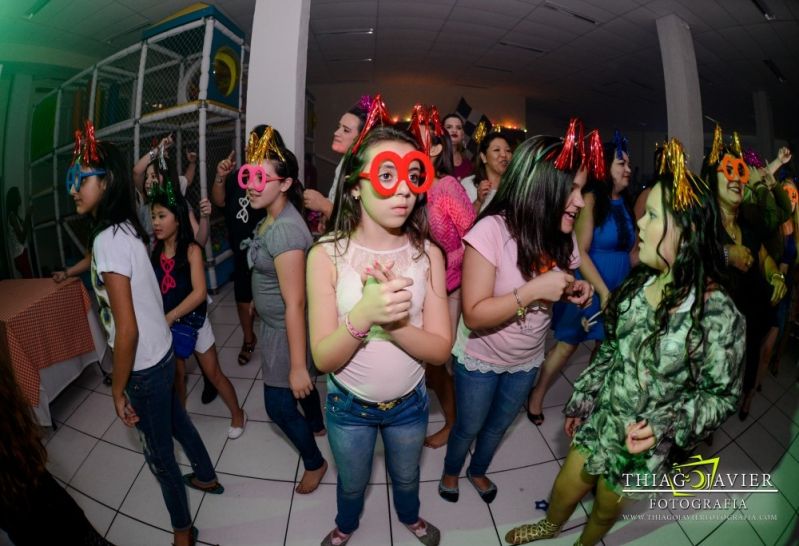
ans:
(754, 278)
(378, 311)
(277, 258)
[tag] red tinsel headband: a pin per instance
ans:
(574, 144)
(427, 117)
(378, 113)
(85, 145)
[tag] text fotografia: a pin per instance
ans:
(697, 476)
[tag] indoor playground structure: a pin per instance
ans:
(184, 78)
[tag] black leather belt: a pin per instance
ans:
(382, 406)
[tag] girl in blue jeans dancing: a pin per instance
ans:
(378, 310)
(132, 314)
(519, 257)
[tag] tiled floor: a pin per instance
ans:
(99, 460)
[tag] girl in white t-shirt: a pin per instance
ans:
(377, 303)
(133, 316)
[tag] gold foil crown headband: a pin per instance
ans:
(687, 187)
(259, 148)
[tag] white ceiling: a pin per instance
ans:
(609, 72)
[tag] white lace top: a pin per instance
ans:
(379, 370)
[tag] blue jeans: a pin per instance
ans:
(281, 406)
(352, 429)
(487, 404)
(162, 416)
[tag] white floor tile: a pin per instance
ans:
(432, 461)
(522, 445)
(640, 525)
(213, 431)
(785, 477)
(90, 378)
(94, 415)
(217, 407)
(552, 431)
(262, 452)
(107, 473)
(67, 402)
(518, 490)
(779, 426)
(235, 341)
(790, 536)
(734, 427)
(250, 512)
(789, 403)
(66, 450)
(761, 447)
(222, 331)
(99, 516)
(720, 440)
(733, 531)
(124, 436)
(254, 405)
(313, 516)
(229, 362)
(145, 501)
(772, 389)
(224, 315)
(558, 394)
(761, 508)
(465, 523)
(129, 532)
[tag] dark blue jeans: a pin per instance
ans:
(352, 429)
(487, 404)
(162, 416)
(281, 406)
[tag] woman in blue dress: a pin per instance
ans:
(605, 234)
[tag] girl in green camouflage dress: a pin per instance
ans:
(668, 373)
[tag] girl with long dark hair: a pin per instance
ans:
(605, 234)
(667, 374)
(132, 313)
(519, 257)
(178, 262)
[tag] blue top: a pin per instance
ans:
(610, 251)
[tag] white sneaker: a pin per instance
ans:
(236, 432)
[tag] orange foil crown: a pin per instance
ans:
(686, 186)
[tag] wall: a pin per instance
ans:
(332, 100)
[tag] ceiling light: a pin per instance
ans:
(567, 11)
(764, 9)
(361, 60)
(36, 8)
(776, 71)
(345, 31)
(520, 46)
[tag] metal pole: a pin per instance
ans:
(139, 92)
(202, 159)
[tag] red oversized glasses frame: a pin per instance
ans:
(403, 164)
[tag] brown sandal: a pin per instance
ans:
(246, 351)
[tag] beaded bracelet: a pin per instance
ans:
(360, 335)
(521, 310)
(726, 256)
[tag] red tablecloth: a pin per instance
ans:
(42, 323)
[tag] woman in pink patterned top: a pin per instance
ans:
(450, 214)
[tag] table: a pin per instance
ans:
(50, 333)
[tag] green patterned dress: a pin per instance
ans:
(683, 399)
